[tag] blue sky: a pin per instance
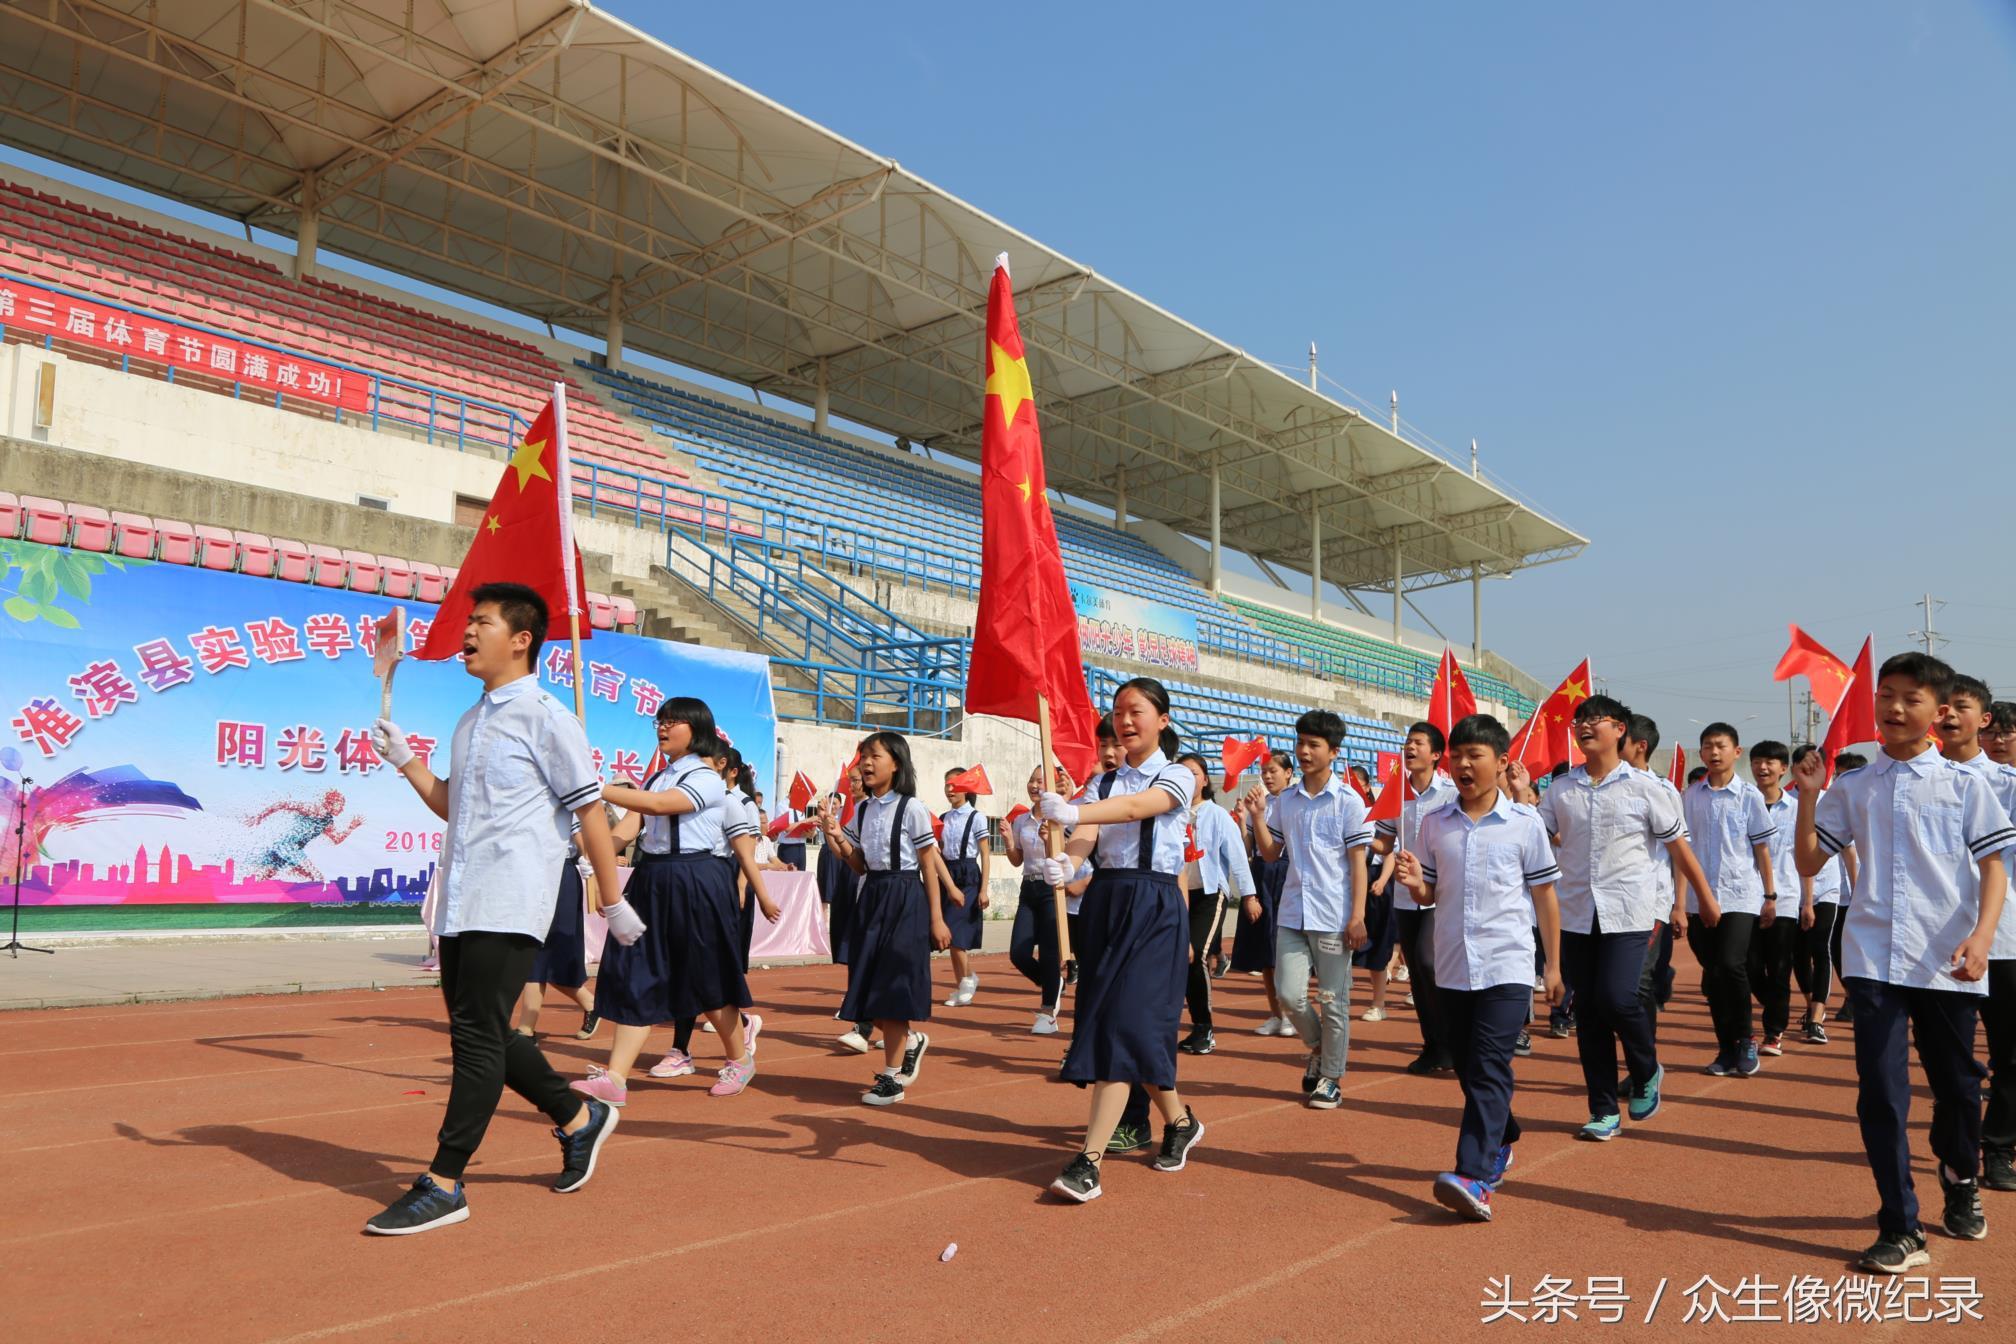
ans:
(1725, 287)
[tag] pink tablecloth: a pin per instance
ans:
(801, 932)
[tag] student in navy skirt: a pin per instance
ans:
(1253, 941)
(562, 959)
(965, 849)
(687, 964)
(1033, 943)
(896, 922)
(1135, 957)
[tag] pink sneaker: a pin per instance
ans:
(752, 1027)
(600, 1085)
(676, 1064)
(735, 1076)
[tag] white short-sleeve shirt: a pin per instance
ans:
(2002, 782)
(1406, 835)
(1119, 843)
(872, 826)
(1611, 836)
(1726, 824)
(1320, 831)
(695, 832)
(1483, 873)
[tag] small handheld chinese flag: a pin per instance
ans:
(1808, 657)
(1676, 773)
(1238, 756)
(1395, 792)
(972, 781)
(386, 650)
(1546, 741)
(803, 791)
(525, 536)
(1450, 700)
(1019, 810)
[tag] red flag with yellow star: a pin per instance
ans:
(526, 536)
(1025, 637)
(1546, 741)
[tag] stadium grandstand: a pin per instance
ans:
(549, 160)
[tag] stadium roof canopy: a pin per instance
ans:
(545, 157)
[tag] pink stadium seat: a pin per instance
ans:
(448, 577)
(178, 541)
(291, 560)
(366, 574)
(10, 515)
(133, 535)
(47, 520)
(431, 586)
(326, 567)
(90, 528)
(221, 548)
(626, 613)
(601, 612)
(400, 580)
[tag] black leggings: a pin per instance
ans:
(1813, 959)
(482, 975)
(1032, 946)
(1204, 909)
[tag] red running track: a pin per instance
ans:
(201, 1171)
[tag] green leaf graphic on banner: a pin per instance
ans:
(47, 576)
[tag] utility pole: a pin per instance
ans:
(1931, 636)
(1812, 719)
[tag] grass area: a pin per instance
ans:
(280, 915)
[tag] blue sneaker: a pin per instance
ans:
(422, 1209)
(1723, 1064)
(1644, 1102)
(1499, 1167)
(1470, 1198)
(1747, 1063)
(1601, 1128)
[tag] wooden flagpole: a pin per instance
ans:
(1054, 839)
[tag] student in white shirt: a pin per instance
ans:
(1214, 869)
(1928, 894)
(521, 765)
(1421, 755)
(1774, 944)
(964, 847)
(1033, 944)
(1731, 832)
(1820, 900)
(1655, 983)
(1484, 864)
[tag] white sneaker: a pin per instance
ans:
(964, 994)
(1372, 1015)
(855, 1041)
(707, 1025)
(1046, 1025)
(1271, 1027)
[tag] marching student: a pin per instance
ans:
(1613, 828)
(1775, 943)
(1655, 986)
(1032, 946)
(1421, 757)
(1132, 1134)
(1970, 713)
(790, 848)
(1843, 763)
(1253, 939)
(1134, 954)
(839, 885)
(563, 956)
(1732, 829)
(1484, 861)
(1928, 893)
(1819, 911)
(1321, 922)
(689, 963)
(965, 850)
(896, 918)
(1214, 868)
(521, 764)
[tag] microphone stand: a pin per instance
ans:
(14, 947)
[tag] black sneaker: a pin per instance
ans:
(1219, 967)
(1178, 1140)
(1964, 1218)
(1424, 1064)
(590, 1024)
(1895, 1254)
(1815, 1034)
(1128, 1138)
(422, 1209)
(1747, 1063)
(1198, 1042)
(1523, 1046)
(888, 1090)
(913, 1058)
(1561, 1029)
(1079, 1181)
(1313, 1072)
(1998, 1169)
(579, 1150)
(1325, 1096)
(1070, 972)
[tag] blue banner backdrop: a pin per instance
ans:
(196, 736)
(1120, 625)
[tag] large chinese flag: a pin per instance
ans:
(526, 536)
(1451, 700)
(1807, 657)
(1025, 637)
(1854, 718)
(1545, 741)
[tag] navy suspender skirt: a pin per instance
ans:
(889, 942)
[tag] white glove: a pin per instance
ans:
(1059, 872)
(625, 926)
(389, 742)
(1053, 807)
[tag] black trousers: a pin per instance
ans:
(1205, 908)
(1813, 958)
(1655, 978)
(1998, 1023)
(1482, 1026)
(1417, 944)
(1032, 946)
(1773, 950)
(1605, 969)
(1724, 954)
(482, 975)
(1889, 1020)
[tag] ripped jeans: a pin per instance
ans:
(1324, 1027)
